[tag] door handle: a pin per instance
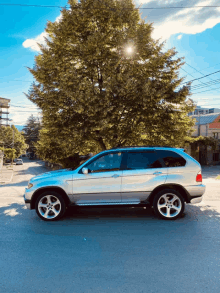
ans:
(115, 176)
(157, 173)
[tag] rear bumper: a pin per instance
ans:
(195, 193)
(196, 200)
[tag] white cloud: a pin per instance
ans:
(179, 37)
(33, 43)
(167, 22)
(20, 115)
(40, 39)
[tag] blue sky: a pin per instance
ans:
(194, 32)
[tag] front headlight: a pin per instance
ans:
(30, 185)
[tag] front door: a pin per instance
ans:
(102, 185)
(143, 173)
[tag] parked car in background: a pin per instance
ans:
(19, 162)
(166, 178)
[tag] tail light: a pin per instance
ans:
(199, 177)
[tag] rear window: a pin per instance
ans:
(171, 159)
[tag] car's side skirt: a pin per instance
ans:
(106, 203)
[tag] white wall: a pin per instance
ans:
(205, 131)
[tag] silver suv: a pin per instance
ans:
(163, 177)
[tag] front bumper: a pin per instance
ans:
(27, 198)
(28, 206)
(27, 203)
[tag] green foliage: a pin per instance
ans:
(59, 150)
(202, 140)
(9, 153)
(11, 138)
(31, 132)
(94, 94)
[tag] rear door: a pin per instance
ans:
(179, 171)
(143, 172)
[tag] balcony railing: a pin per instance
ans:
(1, 112)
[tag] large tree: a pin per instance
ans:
(103, 81)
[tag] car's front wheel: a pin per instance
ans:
(168, 204)
(50, 206)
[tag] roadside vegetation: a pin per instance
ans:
(31, 133)
(12, 142)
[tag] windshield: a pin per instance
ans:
(83, 161)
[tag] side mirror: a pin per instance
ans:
(85, 170)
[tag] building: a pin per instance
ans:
(4, 106)
(204, 111)
(207, 125)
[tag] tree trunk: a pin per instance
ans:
(101, 143)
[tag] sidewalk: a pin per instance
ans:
(211, 173)
(6, 174)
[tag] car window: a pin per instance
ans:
(142, 160)
(171, 159)
(106, 163)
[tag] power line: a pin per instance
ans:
(30, 5)
(199, 80)
(142, 8)
(212, 105)
(27, 106)
(214, 82)
(202, 76)
(205, 91)
(205, 84)
(27, 111)
(210, 66)
(17, 80)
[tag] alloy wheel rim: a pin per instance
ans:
(169, 205)
(49, 206)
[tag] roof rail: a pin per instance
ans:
(141, 146)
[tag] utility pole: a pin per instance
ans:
(12, 145)
(13, 139)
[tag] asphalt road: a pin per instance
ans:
(108, 250)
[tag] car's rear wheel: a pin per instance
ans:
(50, 206)
(168, 204)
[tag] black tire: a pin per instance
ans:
(51, 211)
(168, 210)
